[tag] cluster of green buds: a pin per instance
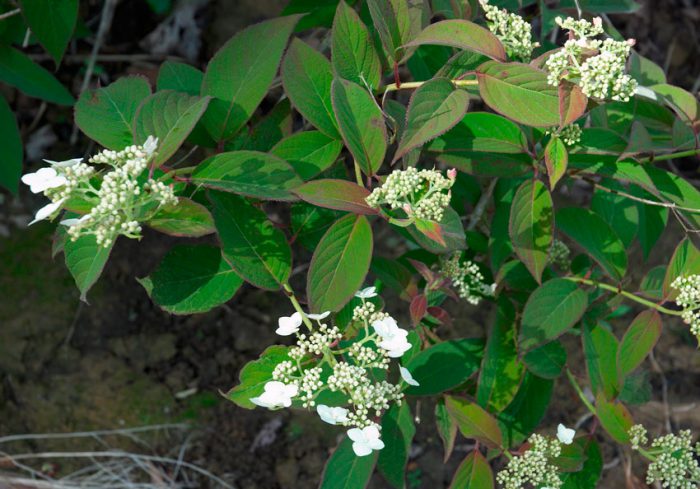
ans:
(673, 458)
(560, 255)
(597, 66)
(467, 279)
(322, 367)
(511, 29)
(570, 135)
(688, 298)
(118, 201)
(422, 194)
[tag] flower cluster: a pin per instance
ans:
(689, 299)
(118, 203)
(533, 467)
(560, 255)
(674, 464)
(318, 363)
(467, 279)
(570, 134)
(598, 66)
(423, 194)
(511, 29)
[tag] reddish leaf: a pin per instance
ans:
(440, 314)
(638, 341)
(572, 103)
(430, 229)
(473, 473)
(418, 308)
(615, 418)
(474, 422)
(336, 194)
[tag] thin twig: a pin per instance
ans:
(664, 391)
(11, 13)
(481, 206)
(105, 24)
(92, 434)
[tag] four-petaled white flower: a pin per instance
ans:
(47, 211)
(43, 179)
(367, 293)
(319, 317)
(332, 415)
(393, 338)
(150, 145)
(565, 435)
(276, 395)
(407, 377)
(289, 325)
(365, 440)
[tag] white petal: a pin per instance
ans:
(43, 179)
(356, 434)
(47, 211)
(64, 164)
(407, 377)
(288, 325)
(319, 317)
(565, 435)
(70, 222)
(150, 145)
(361, 449)
(367, 293)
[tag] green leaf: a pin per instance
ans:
(240, 74)
(652, 283)
(308, 152)
(531, 226)
(352, 52)
(361, 124)
(614, 418)
(474, 422)
(572, 103)
(557, 159)
(17, 70)
(450, 229)
(307, 78)
(501, 371)
(547, 361)
(52, 23)
(397, 22)
(446, 428)
(85, 260)
(596, 237)
(685, 261)
(254, 247)
(345, 470)
(552, 309)
(336, 194)
(249, 173)
(256, 374)
(107, 114)
(526, 411)
(11, 150)
(187, 218)
(397, 432)
(638, 341)
(519, 92)
(461, 34)
(589, 475)
(192, 279)
(444, 366)
(682, 102)
(602, 6)
(473, 473)
(339, 264)
(170, 116)
(310, 223)
(652, 222)
(482, 131)
(645, 71)
(180, 77)
(434, 108)
(600, 347)
(618, 211)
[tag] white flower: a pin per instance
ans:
(393, 338)
(367, 293)
(565, 435)
(64, 164)
(43, 179)
(150, 145)
(276, 395)
(319, 317)
(365, 440)
(332, 415)
(74, 221)
(407, 377)
(289, 325)
(47, 211)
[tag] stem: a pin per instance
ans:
(669, 156)
(580, 393)
(626, 294)
(290, 294)
(358, 173)
(392, 87)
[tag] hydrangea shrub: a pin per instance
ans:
(450, 128)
